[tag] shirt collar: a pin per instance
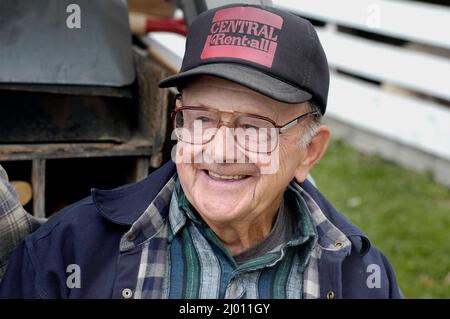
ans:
(330, 237)
(325, 211)
(150, 223)
(177, 218)
(180, 211)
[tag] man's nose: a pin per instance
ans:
(224, 149)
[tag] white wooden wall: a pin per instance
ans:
(411, 108)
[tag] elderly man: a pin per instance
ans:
(235, 217)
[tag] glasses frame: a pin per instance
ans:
(280, 128)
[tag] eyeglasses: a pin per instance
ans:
(199, 125)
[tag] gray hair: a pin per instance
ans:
(310, 127)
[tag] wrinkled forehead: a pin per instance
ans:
(223, 94)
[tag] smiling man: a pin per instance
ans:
(230, 190)
(235, 216)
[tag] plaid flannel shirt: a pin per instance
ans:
(15, 222)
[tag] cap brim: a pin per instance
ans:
(243, 75)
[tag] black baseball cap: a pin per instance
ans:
(270, 51)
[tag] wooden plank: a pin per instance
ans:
(28, 117)
(413, 21)
(405, 155)
(419, 71)
(38, 181)
(135, 147)
(141, 168)
(167, 49)
(416, 122)
(153, 103)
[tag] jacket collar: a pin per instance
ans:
(124, 205)
(360, 242)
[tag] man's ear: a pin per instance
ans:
(314, 152)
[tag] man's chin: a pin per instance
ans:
(219, 214)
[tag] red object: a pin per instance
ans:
(166, 25)
(243, 22)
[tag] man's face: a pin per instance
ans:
(228, 191)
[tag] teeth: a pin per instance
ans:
(226, 176)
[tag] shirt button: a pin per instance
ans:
(131, 237)
(330, 294)
(127, 293)
(338, 244)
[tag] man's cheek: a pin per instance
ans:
(266, 163)
(275, 162)
(283, 161)
(187, 176)
(187, 153)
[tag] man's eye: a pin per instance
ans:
(248, 127)
(204, 119)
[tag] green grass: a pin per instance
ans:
(405, 214)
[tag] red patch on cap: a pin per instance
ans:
(245, 33)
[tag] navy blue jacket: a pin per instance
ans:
(88, 233)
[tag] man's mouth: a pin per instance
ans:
(222, 177)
